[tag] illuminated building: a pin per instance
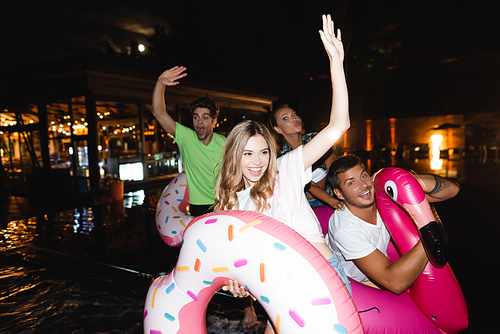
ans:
(62, 130)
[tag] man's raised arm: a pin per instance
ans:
(167, 78)
(339, 112)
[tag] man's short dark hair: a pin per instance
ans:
(342, 165)
(205, 102)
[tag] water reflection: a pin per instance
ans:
(18, 232)
(97, 231)
(462, 147)
(83, 222)
(134, 198)
(460, 169)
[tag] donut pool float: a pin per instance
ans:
(435, 302)
(263, 254)
(293, 282)
(172, 216)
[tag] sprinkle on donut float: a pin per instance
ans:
(293, 282)
(172, 216)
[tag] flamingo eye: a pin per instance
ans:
(391, 189)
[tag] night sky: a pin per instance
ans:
(266, 46)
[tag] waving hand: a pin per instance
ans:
(333, 45)
(167, 78)
(170, 76)
(339, 113)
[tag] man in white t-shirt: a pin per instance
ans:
(358, 235)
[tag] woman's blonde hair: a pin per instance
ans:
(231, 178)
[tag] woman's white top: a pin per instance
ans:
(289, 204)
(318, 174)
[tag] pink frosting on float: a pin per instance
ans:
(192, 315)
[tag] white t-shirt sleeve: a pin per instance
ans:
(291, 166)
(294, 209)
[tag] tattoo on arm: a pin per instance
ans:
(441, 184)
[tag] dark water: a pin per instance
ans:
(41, 295)
(87, 270)
(50, 299)
(64, 285)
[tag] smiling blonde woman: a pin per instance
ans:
(252, 179)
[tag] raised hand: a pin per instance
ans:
(333, 45)
(339, 114)
(159, 110)
(170, 77)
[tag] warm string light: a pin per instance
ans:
(60, 125)
(64, 127)
(220, 123)
(104, 114)
(7, 122)
(79, 126)
(119, 129)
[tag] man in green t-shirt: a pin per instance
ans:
(201, 149)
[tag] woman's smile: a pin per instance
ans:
(255, 160)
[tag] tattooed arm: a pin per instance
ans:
(436, 188)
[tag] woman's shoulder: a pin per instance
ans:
(291, 161)
(284, 150)
(308, 136)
